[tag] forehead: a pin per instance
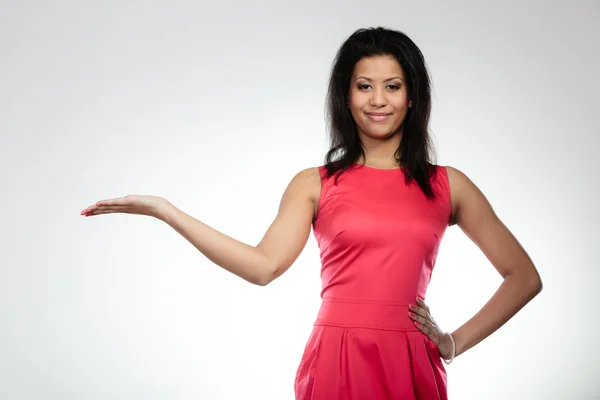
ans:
(378, 67)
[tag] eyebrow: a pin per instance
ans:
(387, 80)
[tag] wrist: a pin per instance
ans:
(164, 211)
(451, 345)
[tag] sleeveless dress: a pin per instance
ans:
(378, 240)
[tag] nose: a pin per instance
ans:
(378, 98)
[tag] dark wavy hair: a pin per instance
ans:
(415, 153)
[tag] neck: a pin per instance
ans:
(380, 152)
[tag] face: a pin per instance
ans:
(378, 97)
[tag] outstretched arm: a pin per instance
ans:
(276, 252)
(261, 264)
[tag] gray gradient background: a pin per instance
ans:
(215, 106)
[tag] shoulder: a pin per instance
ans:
(460, 184)
(307, 178)
(465, 196)
(455, 176)
(307, 184)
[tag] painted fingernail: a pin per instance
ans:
(411, 313)
(416, 323)
(411, 306)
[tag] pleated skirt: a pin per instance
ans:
(369, 350)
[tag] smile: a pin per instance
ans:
(378, 116)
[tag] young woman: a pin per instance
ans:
(379, 208)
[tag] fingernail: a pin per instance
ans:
(411, 313)
(411, 306)
(416, 323)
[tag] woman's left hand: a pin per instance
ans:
(424, 321)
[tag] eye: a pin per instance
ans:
(394, 87)
(364, 86)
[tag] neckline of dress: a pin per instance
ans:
(378, 169)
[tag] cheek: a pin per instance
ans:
(356, 103)
(400, 102)
(401, 107)
(356, 107)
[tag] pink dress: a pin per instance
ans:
(378, 240)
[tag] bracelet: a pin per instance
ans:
(453, 349)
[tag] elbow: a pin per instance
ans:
(530, 283)
(262, 281)
(272, 272)
(535, 285)
(538, 285)
(269, 275)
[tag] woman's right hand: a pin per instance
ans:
(131, 204)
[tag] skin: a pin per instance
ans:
(377, 86)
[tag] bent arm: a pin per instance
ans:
(279, 248)
(477, 219)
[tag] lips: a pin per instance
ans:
(378, 116)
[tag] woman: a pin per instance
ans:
(379, 208)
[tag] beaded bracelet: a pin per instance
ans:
(453, 349)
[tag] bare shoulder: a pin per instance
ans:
(309, 173)
(457, 179)
(467, 199)
(308, 179)
(307, 184)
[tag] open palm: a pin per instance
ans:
(130, 204)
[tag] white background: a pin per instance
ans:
(215, 106)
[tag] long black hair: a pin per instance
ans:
(415, 153)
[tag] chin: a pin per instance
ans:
(381, 133)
